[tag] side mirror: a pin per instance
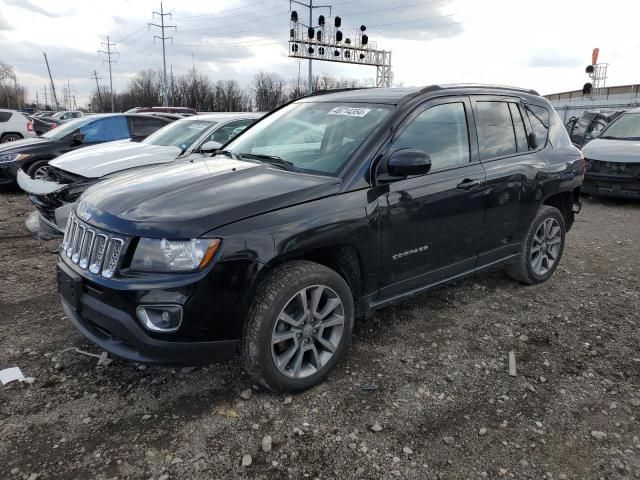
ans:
(533, 141)
(408, 161)
(77, 138)
(210, 146)
(595, 134)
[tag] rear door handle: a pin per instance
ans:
(468, 184)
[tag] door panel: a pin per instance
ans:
(513, 181)
(431, 223)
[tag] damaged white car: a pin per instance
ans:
(55, 192)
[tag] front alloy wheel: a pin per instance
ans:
(307, 331)
(298, 326)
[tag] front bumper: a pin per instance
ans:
(612, 185)
(9, 174)
(105, 319)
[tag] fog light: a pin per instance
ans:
(160, 318)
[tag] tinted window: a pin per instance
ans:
(5, 116)
(518, 126)
(105, 130)
(182, 133)
(143, 127)
(495, 130)
(441, 132)
(230, 130)
(539, 118)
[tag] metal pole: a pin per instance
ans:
(46, 100)
(113, 108)
(164, 59)
(310, 86)
(53, 88)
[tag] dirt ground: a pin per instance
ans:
(433, 373)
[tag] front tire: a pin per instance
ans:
(298, 327)
(541, 249)
(39, 170)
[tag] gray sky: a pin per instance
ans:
(543, 45)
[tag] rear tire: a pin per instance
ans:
(10, 137)
(541, 248)
(308, 306)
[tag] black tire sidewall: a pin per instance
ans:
(546, 213)
(31, 169)
(270, 372)
(4, 137)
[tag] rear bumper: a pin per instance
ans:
(115, 330)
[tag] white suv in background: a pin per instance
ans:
(14, 126)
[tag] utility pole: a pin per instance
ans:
(53, 88)
(108, 45)
(311, 7)
(37, 101)
(96, 78)
(46, 101)
(68, 95)
(161, 14)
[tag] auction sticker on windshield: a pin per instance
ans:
(349, 111)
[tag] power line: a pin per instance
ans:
(161, 14)
(108, 45)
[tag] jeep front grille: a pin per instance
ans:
(91, 248)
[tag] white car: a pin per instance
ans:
(14, 126)
(65, 116)
(69, 175)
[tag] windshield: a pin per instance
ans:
(627, 127)
(182, 133)
(312, 137)
(65, 129)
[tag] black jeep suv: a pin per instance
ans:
(327, 209)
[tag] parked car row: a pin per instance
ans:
(613, 158)
(269, 240)
(54, 188)
(589, 125)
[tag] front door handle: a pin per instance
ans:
(468, 184)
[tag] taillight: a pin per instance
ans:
(53, 125)
(30, 127)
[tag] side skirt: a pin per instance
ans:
(372, 304)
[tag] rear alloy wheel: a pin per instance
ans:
(10, 137)
(298, 327)
(541, 248)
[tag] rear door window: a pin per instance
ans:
(5, 116)
(143, 127)
(105, 130)
(518, 126)
(496, 136)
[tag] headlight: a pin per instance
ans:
(162, 255)
(12, 157)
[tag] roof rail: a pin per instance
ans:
(336, 90)
(479, 85)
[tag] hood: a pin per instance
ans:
(100, 160)
(622, 151)
(23, 146)
(188, 199)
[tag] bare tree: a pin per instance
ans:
(269, 89)
(6, 72)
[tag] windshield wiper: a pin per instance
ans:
(271, 159)
(228, 153)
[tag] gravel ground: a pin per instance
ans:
(424, 393)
